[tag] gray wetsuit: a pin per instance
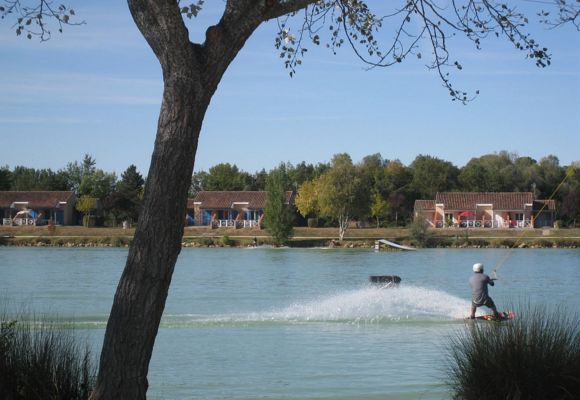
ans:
(480, 297)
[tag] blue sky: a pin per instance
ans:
(97, 89)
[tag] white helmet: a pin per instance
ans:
(478, 267)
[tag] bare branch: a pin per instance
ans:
(568, 13)
(34, 20)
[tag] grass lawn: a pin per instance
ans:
(299, 232)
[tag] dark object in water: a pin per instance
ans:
(385, 279)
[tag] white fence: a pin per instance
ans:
(230, 223)
(18, 221)
(485, 224)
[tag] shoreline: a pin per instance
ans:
(78, 236)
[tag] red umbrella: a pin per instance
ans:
(467, 214)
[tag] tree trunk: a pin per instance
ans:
(191, 73)
(342, 226)
(143, 288)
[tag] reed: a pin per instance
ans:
(41, 360)
(534, 356)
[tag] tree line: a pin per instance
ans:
(384, 191)
(380, 191)
(101, 197)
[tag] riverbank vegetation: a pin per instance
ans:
(534, 356)
(78, 236)
(41, 360)
(381, 192)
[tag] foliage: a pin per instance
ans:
(84, 205)
(432, 175)
(307, 198)
(379, 207)
(279, 218)
(420, 233)
(5, 178)
(227, 241)
(35, 20)
(40, 360)
(24, 178)
(225, 176)
(341, 194)
(124, 203)
(312, 222)
(99, 184)
(77, 171)
(534, 356)
(302, 172)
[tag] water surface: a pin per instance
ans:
(294, 323)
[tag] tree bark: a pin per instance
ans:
(191, 73)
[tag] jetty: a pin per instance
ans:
(392, 245)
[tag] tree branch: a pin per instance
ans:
(32, 20)
(162, 25)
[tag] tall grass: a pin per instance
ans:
(40, 360)
(534, 356)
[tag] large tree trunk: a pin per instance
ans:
(191, 73)
(142, 291)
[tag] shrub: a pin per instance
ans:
(534, 356)
(226, 241)
(40, 361)
(207, 242)
(312, 222)
(419, 233)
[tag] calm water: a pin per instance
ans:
(293, 324)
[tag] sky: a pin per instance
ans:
(96, 89)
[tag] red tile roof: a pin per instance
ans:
(499, 200)
(539, 204)
(35, 199)
(424, 205)
(225, 199)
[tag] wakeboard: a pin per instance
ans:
(503, 316)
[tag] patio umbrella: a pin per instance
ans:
(467, 214)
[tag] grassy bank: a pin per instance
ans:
(78, 236)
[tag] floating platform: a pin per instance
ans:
(392, 245)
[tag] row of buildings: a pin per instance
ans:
(245, 209)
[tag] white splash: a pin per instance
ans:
(367, 305)
(374, 304)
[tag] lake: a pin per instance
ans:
(294, 323)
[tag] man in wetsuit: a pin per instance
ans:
(479, 296)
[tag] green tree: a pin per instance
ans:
(191, 75)
(76, 171)
(198, 183)
(125, 201)
(307, 199)
(25, 179)
(99, 184)
(5, 178)
(258, 180)
(340, 193)
(303, 172)
(550, 175)
(379, 208)
(432, 175)
(279, 217)
(226, 176)
(85, 205)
